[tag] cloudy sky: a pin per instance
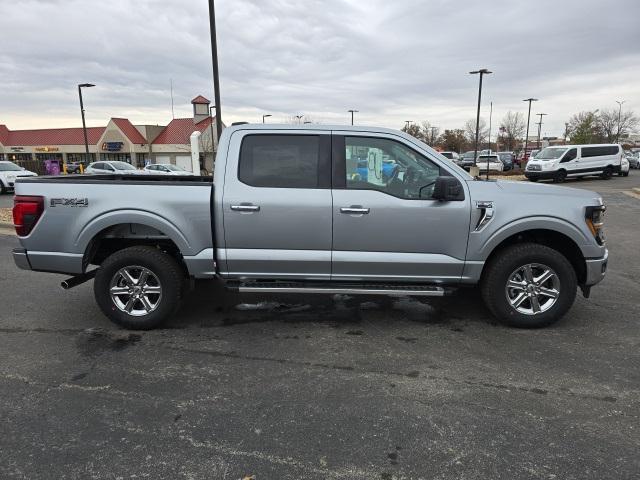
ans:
(391, 60)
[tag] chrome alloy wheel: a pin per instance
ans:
(532, 289)
(135, 290)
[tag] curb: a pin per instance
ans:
(636, 190)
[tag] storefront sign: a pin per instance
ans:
(17, 149)
(47, 149)
(112, 146)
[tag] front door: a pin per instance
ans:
(277, 205)
(386, 227)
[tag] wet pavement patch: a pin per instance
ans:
(93, 342)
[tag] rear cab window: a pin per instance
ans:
(285, 161)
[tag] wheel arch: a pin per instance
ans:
(560, 241)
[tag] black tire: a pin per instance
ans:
(560, 176)
(625, 174)
(162, 266)
(501, 267)
(607, 173)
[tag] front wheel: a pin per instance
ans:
(560, 176)
(139, 287)
(529, 285)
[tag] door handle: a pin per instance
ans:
(357, 210)
(245, 208)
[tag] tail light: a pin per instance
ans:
(27, 210)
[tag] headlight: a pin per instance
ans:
(594, 216)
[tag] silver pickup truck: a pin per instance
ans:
(315, 209)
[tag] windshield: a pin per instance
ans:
(484, 158)
(9, 167)
(550, 153)
(505, 156)
(175, 168)
(468, 155)
(122, 166)
(447, 154)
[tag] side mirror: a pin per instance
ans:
(22, 168)
(448, 189)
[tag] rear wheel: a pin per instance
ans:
(529, 285)
(138, 288)
(607, 173)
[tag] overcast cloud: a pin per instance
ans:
(392, 60)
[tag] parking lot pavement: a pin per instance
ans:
(292, 387)
(6, 200)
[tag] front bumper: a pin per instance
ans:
(596, 269)
(538, 175)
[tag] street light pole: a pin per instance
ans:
(352, 112)
(619, 119)
(540, 127)
(526, 137)
(299, 117)
(265, 116)
(433, 134)
(214, 62)
(213, 159)
(84, 125)
(408, 122)
(482, 72)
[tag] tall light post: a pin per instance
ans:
(299, 117)
(407, 122)
(84, 125)
(540, 127)
(619, 119)
(265, 116)
(433, 135)
(214, 62)
(490, 117)
(213, 159)
(526, 137)
(482, 72)
(352, 112)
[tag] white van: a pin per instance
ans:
(558, 163)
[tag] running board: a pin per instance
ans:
(346, 289)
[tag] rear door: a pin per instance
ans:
(385, 224)
(277, 204)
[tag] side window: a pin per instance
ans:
(98, 166)
(282, 161)
(570, 155)
(388, 166)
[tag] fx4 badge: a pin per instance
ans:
(69, 202)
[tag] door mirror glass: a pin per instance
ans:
(447, 189)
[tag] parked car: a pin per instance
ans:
(624, 167)
(166, 169)
(9, 172)
(634, 159)
(269, 225)
(451, 156)
(490, 162)
(507, 160)
(74, 167)
(467, 160)
(113, 168)
(558, 163)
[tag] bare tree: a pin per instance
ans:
(413, 129)
(430, 133)
(470, 132)
(615, 123)
(512, 127)
(585, 127)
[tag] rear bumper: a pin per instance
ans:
(21, 259)
(596, 269)
(53, 262)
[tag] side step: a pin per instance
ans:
(336, 288)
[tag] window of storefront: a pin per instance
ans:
(81, 158)
(1, 157)
(115, 157)
(141, 159)
(19, 157)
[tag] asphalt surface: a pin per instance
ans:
(294, 387)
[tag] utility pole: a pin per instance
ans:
(84, 125)
(619, 119)
(214, 62)
(352, 112)
(540, 127)
(481, 72)
(526, 137)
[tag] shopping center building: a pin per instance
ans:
(118, 140)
